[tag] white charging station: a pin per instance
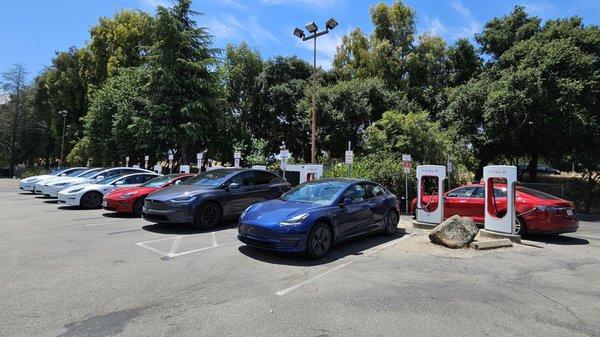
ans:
(492, 220)
(184, 168)
(157, 168)
(305, 172)
(427, 216)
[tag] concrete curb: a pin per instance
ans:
(486, 234)
(491, 244)
(423, 225)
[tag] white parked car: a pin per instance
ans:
(37, 188)
(90, 195)
(27, 184)
(52, 188)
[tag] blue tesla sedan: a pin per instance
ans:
(209, 197)
(315, 215)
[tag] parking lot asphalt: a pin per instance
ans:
(73, 272)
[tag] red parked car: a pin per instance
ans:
(131, 199)
(537, 212)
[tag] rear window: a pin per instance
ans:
(537, 194)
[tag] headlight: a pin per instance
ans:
(183, 200)
(59, 184)
(244, 212)
(296, 220)
(127, 195)
(75, 190)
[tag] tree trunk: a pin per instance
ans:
(479, 171)
(532, 168)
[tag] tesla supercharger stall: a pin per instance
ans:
(437, 175)
(495, 220)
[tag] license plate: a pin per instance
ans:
(569, 212)
(104, 203)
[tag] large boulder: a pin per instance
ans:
(454, 232)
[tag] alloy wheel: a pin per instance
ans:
(321, 241)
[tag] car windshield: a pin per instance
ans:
(536, 193)
(90, 174)
(109, 180)
(315, 192)
(210, 178)
(76, 172)
(58, 172)
(87, 172)
(159, 181)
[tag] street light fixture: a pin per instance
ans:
(313, 30)
(63, 114)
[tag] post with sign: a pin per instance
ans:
(199, 158)
(170, 163)
(349, 159)
(237, 155)
(284, 155)
(146, 159)
(406, 163)
(127, 161)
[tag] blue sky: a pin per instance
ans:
(32, 30)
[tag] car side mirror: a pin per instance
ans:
(99, 177)
(233, 186)
(345, 202)
(177, 182)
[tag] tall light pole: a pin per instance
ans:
(63, 114)
(314, 33)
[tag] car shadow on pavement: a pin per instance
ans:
(182, 229)
(65, 207)
(115, 215)
(355, 246)
(557, 240)
(51, 201)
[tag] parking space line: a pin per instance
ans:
(172, 253)
(294, 287)
(368, 252)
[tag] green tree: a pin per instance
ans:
(14, 84)
(184, 111)
(464, 63)
(112, 124)
(115, 43)
(413, 132)
(500, 34)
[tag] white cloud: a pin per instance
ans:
(540, 8)
(471, 27)
(155, 3)
(435, 27)
(229, 27)
(309, 3)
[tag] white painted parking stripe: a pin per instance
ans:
(294, 287)
(368, 252)
(172, 253)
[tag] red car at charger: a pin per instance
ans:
(131, 199)
(537, 212)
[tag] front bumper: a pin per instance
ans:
(272, 238)
(161, 212)
(69, 199)
(119, 206)
(26, 186)
(52, 191)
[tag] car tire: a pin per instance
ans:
(319, 241)
(520, 227)
(208, 215)
(91, 200)
(138, 206)
(391, 223)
